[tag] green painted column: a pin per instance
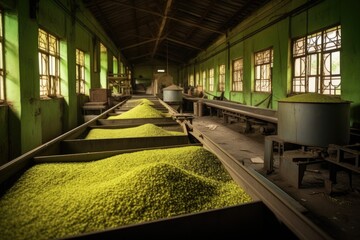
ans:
(350, 61)
(31, 133)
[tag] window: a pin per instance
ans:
(237, 81)
(222, 78)
(197, 79)
(115, 65)
(211, 79)
(204, 80)
(263, 66)
(49, 64)
(316, 62)
(2, 72)
(80, 72)
(191, 80)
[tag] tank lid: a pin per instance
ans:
(173, 87)
(313, 98)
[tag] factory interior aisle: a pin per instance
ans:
(337, 212)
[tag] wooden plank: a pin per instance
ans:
(135, 121)
(96, 145)
(165, 125)
(93, 156)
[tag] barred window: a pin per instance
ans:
(222, 77)
(115, 65)
(49, 64)
(211, 79)
(237, 81)
(197, 79)
(191, 80)
(316, 62)
(204, 80)
(2, 72)
(263, 66)
(80, 72)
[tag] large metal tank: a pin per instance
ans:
(314, 120)
(172, 93)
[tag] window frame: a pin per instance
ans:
(80, 72)
(222, 77)
(237, 85)
(211, 79)
(204, 80)
(309, 75)
(48, 65)
(191, 80)
(263, 65)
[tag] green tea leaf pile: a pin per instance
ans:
(55, 200)
(145, 130)
(135, 102)
(313, 98)
(140, 111)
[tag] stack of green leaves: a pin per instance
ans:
(139, 101)
(313, 98)
(56, 200)
(140, 111)
(145, 130)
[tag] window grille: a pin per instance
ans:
(197, 79)
(191, 80)
(80, 72)
(49, 64)
(316, 62)
(211, 79)
(222, 78)
(263, 67)
(115, 65)
(204, 80)
(237, 81)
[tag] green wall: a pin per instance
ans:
(25, 115)
(274, 26)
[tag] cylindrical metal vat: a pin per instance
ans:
(172, 93)
(314, 123)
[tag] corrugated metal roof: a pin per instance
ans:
(175, 30)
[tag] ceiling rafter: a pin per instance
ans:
(191, 24)
(184, 44)
(162, 25)
(146, 30)
(138, 44)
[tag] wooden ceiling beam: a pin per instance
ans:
(138, 44)
(161, 28)
(171, 18)
(184, 44)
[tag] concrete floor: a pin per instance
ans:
(338, 214)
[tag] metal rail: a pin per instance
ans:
(268, 115)
(282, 205)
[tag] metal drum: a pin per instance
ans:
(314, 123)
(172, 93)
